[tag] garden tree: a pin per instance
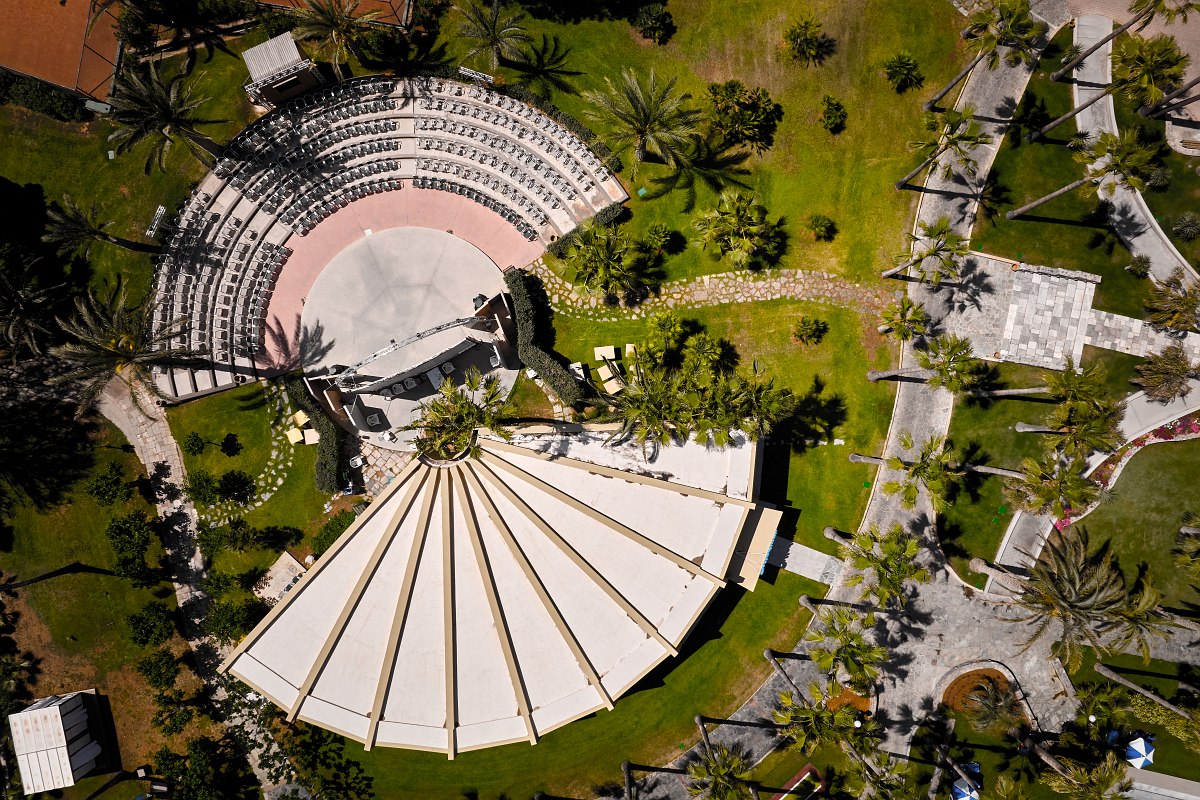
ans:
(654, 22)
(954, 132)
(664, 333)
(808, 727)
(492, 31)
(1103, 781)
(935, 467)
(201, 487)
(207, 770)
(833, 114)
(906, 319)
(1079, 429)
(1069, 385)
(1143, 71)
(1144, 12)
(606, 261)
(227, 621)
(236, 486)
(809, 330)
(543, 69)
(1110, 162)
(937, 253)
(903, 72)
(152, 626)
(239, 535)
(335, 26)
(648, 117)
(885, 561)
(24, 303)
(1166, 375)
(193, 444)
(701, 354)
(743, 116)
(718, 773)
(806, 42)
(159, 669)
(948, 362)
(738, 227)
(129, 535)
(1174, 304)
(1000, 30)
(108, 486)
(1108, 703)
(74, 230)
(447, 423)
(840, 649)
(145, 108)
(993, 705)
(1170, 102)
(112, 340)
(1051, 485)
(172, 711)
(704, 161)
(651, 409)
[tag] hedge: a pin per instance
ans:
(559, 379)
(330, 476)
(41, 97)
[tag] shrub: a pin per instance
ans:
(273, 23)
(744, 116)
(236, 486)
(657, 239)
(833, 114)
(159, 669)
(230, 446)
(45, 99)
(193, 444)
(1139, 266)
(230, 620)
(239, 535)
(109, 486)
(556, 376)
(903, 72)
(822, 227)
(152, 626)
(212, 539)
(654, 22)
(219, 584)
(329, 475)
(331, 530)
(1159, 178)
(809, 330)
(806, 42)
(202, 488)
(1187, 226)
(129, 536)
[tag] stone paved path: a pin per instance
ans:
(805, 561)
(1046, 316)
(1135, 336)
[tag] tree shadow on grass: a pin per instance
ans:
(815, 417)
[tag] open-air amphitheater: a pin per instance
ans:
(307, 180)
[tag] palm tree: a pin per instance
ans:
(937, 252)
(1051, 485)
(757, 402)
(1069, 385)
(739, 228)
(1102, 704)
(500, 36)
(335, 25)
(935, 467)
(956, 133)
(885, 562)
(1141, 619)
(1144, 70)
(906, 318)
(1110, 162)
(447, 423)
(649, 117)
(543, 68)
(145, 108)
(1144, 12)
(1187, 546)
(74, 230)
(1174, 304)
(1105, 672)
(719, 774)
(1166, 375)
(1105, 781)
(113, 340)
(651, 409)
(842, 651)
(1006, 25)
(806, 727)
(24, 304)
(994, 705)
(948, 362)
(605, 261)
(1080, 429)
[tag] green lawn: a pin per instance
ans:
(777, 769)
(975, 523)
(527, 401)
(1065, 232)
(719, 666)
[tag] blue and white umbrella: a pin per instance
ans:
(1139, 753)
(964, 790)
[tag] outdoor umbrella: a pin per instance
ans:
(964, 790)
(1139, 753)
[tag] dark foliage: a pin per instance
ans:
(331, 530)
(655, 23)
(152, 626)
(743, 116)
(230, 445)
(229, 620)
(833, 114)
(159, 669)
(109, 486)
(193, 444)
(202, 487)
(822, 227)
(129, 536)
(209, 770)
(236, 486)
(521, 286)
(41, 97)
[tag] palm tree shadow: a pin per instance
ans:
(304, 346)
(814, 418)
(706, 162)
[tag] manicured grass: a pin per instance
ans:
(1142, 518)
(816, 483)
(974, 525)
(1064, 232)
(777, 769)
(720, 665)
(528, 401)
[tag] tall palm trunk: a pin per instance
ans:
(999, 575)
(888, 273)
(1070, 187)
(1079, 59)
(933, 101)
(889, 374)
(699, 719)
(130, 244)
(807, 604)
(208, 145)
(900, 184)
(1163, 111)
(772, 658)
(1104, 671)
(1074, 112)
(1153, 109)
(1025, 427)
(831, 533)
(1012, 392)
(984, 470)
(855, 458)
(944, 752)
(1190, 530)
(1049, 760)
(627, 774)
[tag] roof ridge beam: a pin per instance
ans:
(445, 493)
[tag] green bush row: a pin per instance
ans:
(330, 476)
(531, 354)
(40, 97)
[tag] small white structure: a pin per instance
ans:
(53, 743)
(278, 72)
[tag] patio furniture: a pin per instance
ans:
(614, 386)
(373, 420)
(300, 418)
(602, 353)
(605, 372)
(386, 394)
(295, 435)
(311, 436)
(447, 368)
(410, 383)
(630, 350)
(576, 368)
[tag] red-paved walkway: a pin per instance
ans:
(420, 208)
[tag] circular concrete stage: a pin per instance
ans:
(391, 285)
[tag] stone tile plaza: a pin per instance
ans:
(548, 400)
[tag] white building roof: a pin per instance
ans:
(40, 743)
(272, 57)
(493, 600)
